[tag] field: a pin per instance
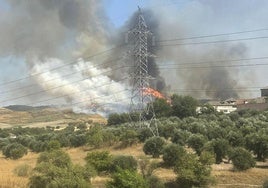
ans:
(223, 173)
(51, 117)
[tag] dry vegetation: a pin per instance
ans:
(43, 117)
(223, 173)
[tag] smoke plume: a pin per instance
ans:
(88, 90)
(51, 33)
(50, 28)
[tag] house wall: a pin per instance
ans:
(225, 109)
(264, 92)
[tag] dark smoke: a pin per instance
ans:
(151, 19)
(50, 28)
(79, 28)
(216, 82)
(34, 30)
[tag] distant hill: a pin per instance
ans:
(25, 108)
(22, 115)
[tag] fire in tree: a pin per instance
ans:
(154, 93)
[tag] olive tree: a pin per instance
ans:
(154, 146)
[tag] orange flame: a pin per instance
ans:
(155, 93)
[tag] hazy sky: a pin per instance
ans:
(62, 29)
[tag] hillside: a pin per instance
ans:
(19, 115)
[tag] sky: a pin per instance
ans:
(35, 33)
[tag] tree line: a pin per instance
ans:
(188, 143)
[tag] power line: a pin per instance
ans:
(163, 66)
(61, 96)
(214, 66)
(214, 35)
(92, 99)
(67, 64)
(63, 76)
(170, 66)
(166, 66)
(159, 45)
(98, 106)
(45, 90)
(220, 61)
(210, 42)
(247, 89)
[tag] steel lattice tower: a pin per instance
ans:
(141, 101)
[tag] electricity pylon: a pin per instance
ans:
(141, 100)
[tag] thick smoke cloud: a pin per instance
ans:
(151, 20)
(89, 90)
(38, 31)
(50, 28)
(209, 18)
(41, 32)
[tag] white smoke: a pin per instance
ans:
(83, 86)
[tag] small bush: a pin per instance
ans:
(192, 173)
(242, 159)
(55, 169)
(147, 167)
(127, 179)
(155, 182)
(124, 162)
(128, 138)
(144, 134)
(100, 160)
(207, 158)
(23, 170)
(154, 146)
(171, 154)
(14, 151)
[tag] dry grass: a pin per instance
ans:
(223, 173)
(226, 177)
(7, 178)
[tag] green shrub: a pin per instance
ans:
(14, 151)
(124, 162)
(100, 160)
(197, 142)
(154, 146)
(220, 148)
(172, 153)
(128, 138)
(180, 137)
(144, 134)
(147, 167)
(54, 169)
(192, 173)
(53, 145)
(127, 179)
(23, 170)
(56, 157)
(242, 159)
(155, 182)
(207, 158)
